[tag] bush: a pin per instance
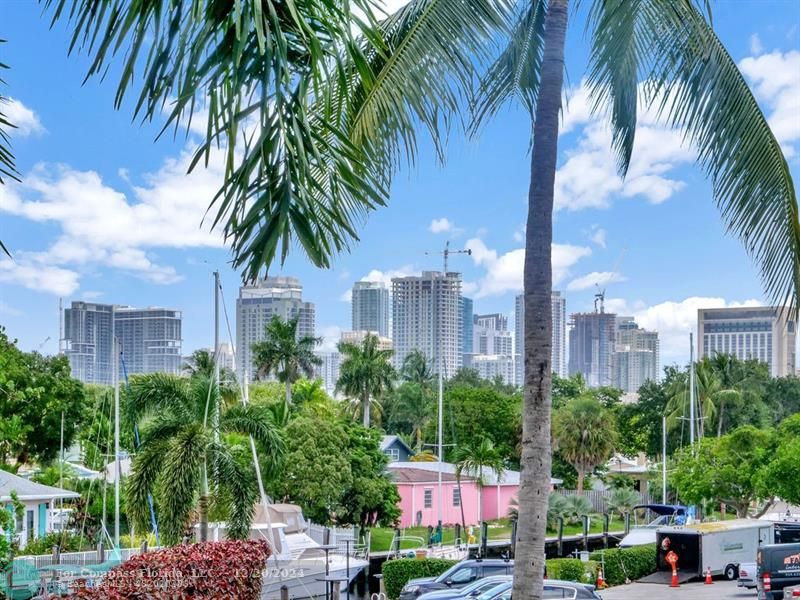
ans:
(206, 571)
(572, 569)
(66, 541)
(396, 573)
(626, 564)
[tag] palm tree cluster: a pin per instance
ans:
(723, 384)
(365, 375)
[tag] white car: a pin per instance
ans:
(747, 575)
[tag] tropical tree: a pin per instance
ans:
(473, 459)
(7, 167)
(413, 404)
(285, 354)
(355, 107)
(365, 374)
(623, 500)
(584, 433)
(415, 369)
(184, 462)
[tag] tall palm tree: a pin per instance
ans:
(355, 108)
(473, 459)
(415, 369)
(585, 434)
(365, 373)
(7, 165)
(284, 354)
(179, 455)
(413, 405)
(201, 362)
(736, 385)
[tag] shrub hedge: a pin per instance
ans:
(205, 571)
(396, 573)
(626, 564)
(572, 569)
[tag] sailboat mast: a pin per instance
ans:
(440, 429)
(117, 466)
(216, 351)
(663, 460)
(691, 390)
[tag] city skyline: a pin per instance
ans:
(137, 238)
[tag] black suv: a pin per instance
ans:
(778, 568)
(457, 576)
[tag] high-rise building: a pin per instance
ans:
(358, 337)
(490, 335)
(764, 333)
(255, 307)
(149, 340)
(370, 305)
(591, 347)
(328, 370)
(636, 355)
(558, 353)
(466, 305)
(490, 366)
(426, 316)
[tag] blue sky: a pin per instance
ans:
(106, 213)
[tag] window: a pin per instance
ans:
(29, 523)
(552, 591)
(393, 454)
(464, 575)
(428, 498)
(456, 497)
(489, 570)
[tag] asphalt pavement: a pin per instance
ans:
(719, 590)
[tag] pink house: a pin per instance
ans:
(417, 484)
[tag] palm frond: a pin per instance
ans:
(695, 85)
(142, 481)
(155, 392)
(618, 47)
(515, 73)
(258, 423)
(240, 484)
(179, 481)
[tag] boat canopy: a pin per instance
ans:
(664, 509)
(290, 515)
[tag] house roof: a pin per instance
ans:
(420, 476)
(507, 477)
(29, 490)
(389, 440)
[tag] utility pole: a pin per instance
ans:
(440, 425)
(117, 466)
(691, 391)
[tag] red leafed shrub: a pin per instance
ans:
(211, 570)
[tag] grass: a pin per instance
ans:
(381, 537)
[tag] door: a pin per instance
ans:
(28, 531)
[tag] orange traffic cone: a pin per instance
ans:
(601, 583)
(674, 582)
(708, 576)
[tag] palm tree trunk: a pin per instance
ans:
(536, 451)
(365, 409)
(461, 506)
(288, 393)
(202, 509)
(581, 479)
(721, 416)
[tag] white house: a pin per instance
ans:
(37, 498)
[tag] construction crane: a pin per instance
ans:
(447, 252)
(600, 296)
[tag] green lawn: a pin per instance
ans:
(381, 537)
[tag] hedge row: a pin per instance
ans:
(206, 571)
(621, 565)
(396, 573)
(572, 569)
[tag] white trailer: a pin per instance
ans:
(720, 546)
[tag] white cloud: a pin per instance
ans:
(384, 277)
(519, 234)
(598, 236)
(38, 276)
(504, 272)
(91, 295)
(588, 177)
(102, 225)
(756, 47)
(25, 119)
(775, 78)
(444, 225)
(673, 320)
(600, 278)
(330, 334)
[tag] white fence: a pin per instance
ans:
(599, 499)
(337, 536)
(90, 557)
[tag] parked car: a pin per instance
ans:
(553, 588)
(747, 575)
(458, 576)
(778, 568)
(473, 590)
(791, 593)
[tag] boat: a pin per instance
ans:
(298, 561)
(668, 514)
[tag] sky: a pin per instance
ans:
(107, 213)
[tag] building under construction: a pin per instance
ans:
(591, 346)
